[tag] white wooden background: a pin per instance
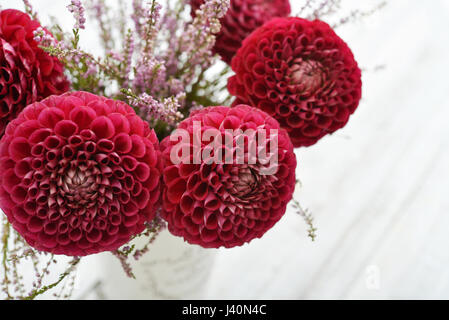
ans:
(379, 189)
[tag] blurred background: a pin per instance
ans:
(378, 189)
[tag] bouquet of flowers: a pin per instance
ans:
(188, 121)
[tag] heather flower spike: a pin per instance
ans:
(242, 18)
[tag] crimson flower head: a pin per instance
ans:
(235, 188)
(301, 73)
(28, 74)
(242, 18)
(80, 174)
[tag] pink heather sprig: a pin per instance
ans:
(124, 255)
(44, 38)
(359, 14)
(151, 109)
(77, 9)
(146, 16)
(100, 12)
(29, 9)
(199, 38)
(152, 25)
(137, 15)
(115, 55)
(314, 9)
(128, 58)
(154, 228)
(171, 24)
(196, 106)
(175, 86)
(150, 75)
(92, 69)
(325, 7)
(17, 255)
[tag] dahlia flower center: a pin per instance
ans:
(245, 182)
(79, 187)
(308, 73)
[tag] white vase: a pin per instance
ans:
(172, 269)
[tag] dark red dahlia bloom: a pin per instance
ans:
(301, 73)
(80, 174)
(229, 202)
(242, 18)
(27, 73)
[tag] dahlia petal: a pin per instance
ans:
(130, 221)
(121, 123)
(94, 236)
(49, 117)
(63, 239)
(187, 204)
(136, 125)
(21, 215)
(200, 192)
(123, 143)
(138, 146)
(47, 241)
(19, 149)
(208, 235)
(105, 145)
(35, 225)
(22, 168)
(75, 235)
(142, 199)
(142, 171)
(50, 228)
(18, 194)
(10, 180)
(115, 219)
(103, 127)
(151, 156)
(175, 191)
(6, 163)
(211, 222)
(153, 181)
(83, 116)
(129, 163)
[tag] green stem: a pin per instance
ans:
(44, 289)
(5, 239)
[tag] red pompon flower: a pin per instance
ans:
(80, 174)
(230, 202)
(242, 18)
(301, 73)
(27, 73)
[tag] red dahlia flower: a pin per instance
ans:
(242, 18)
(27, 73)
(302, 74)
(80, 174)
(227, 203)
